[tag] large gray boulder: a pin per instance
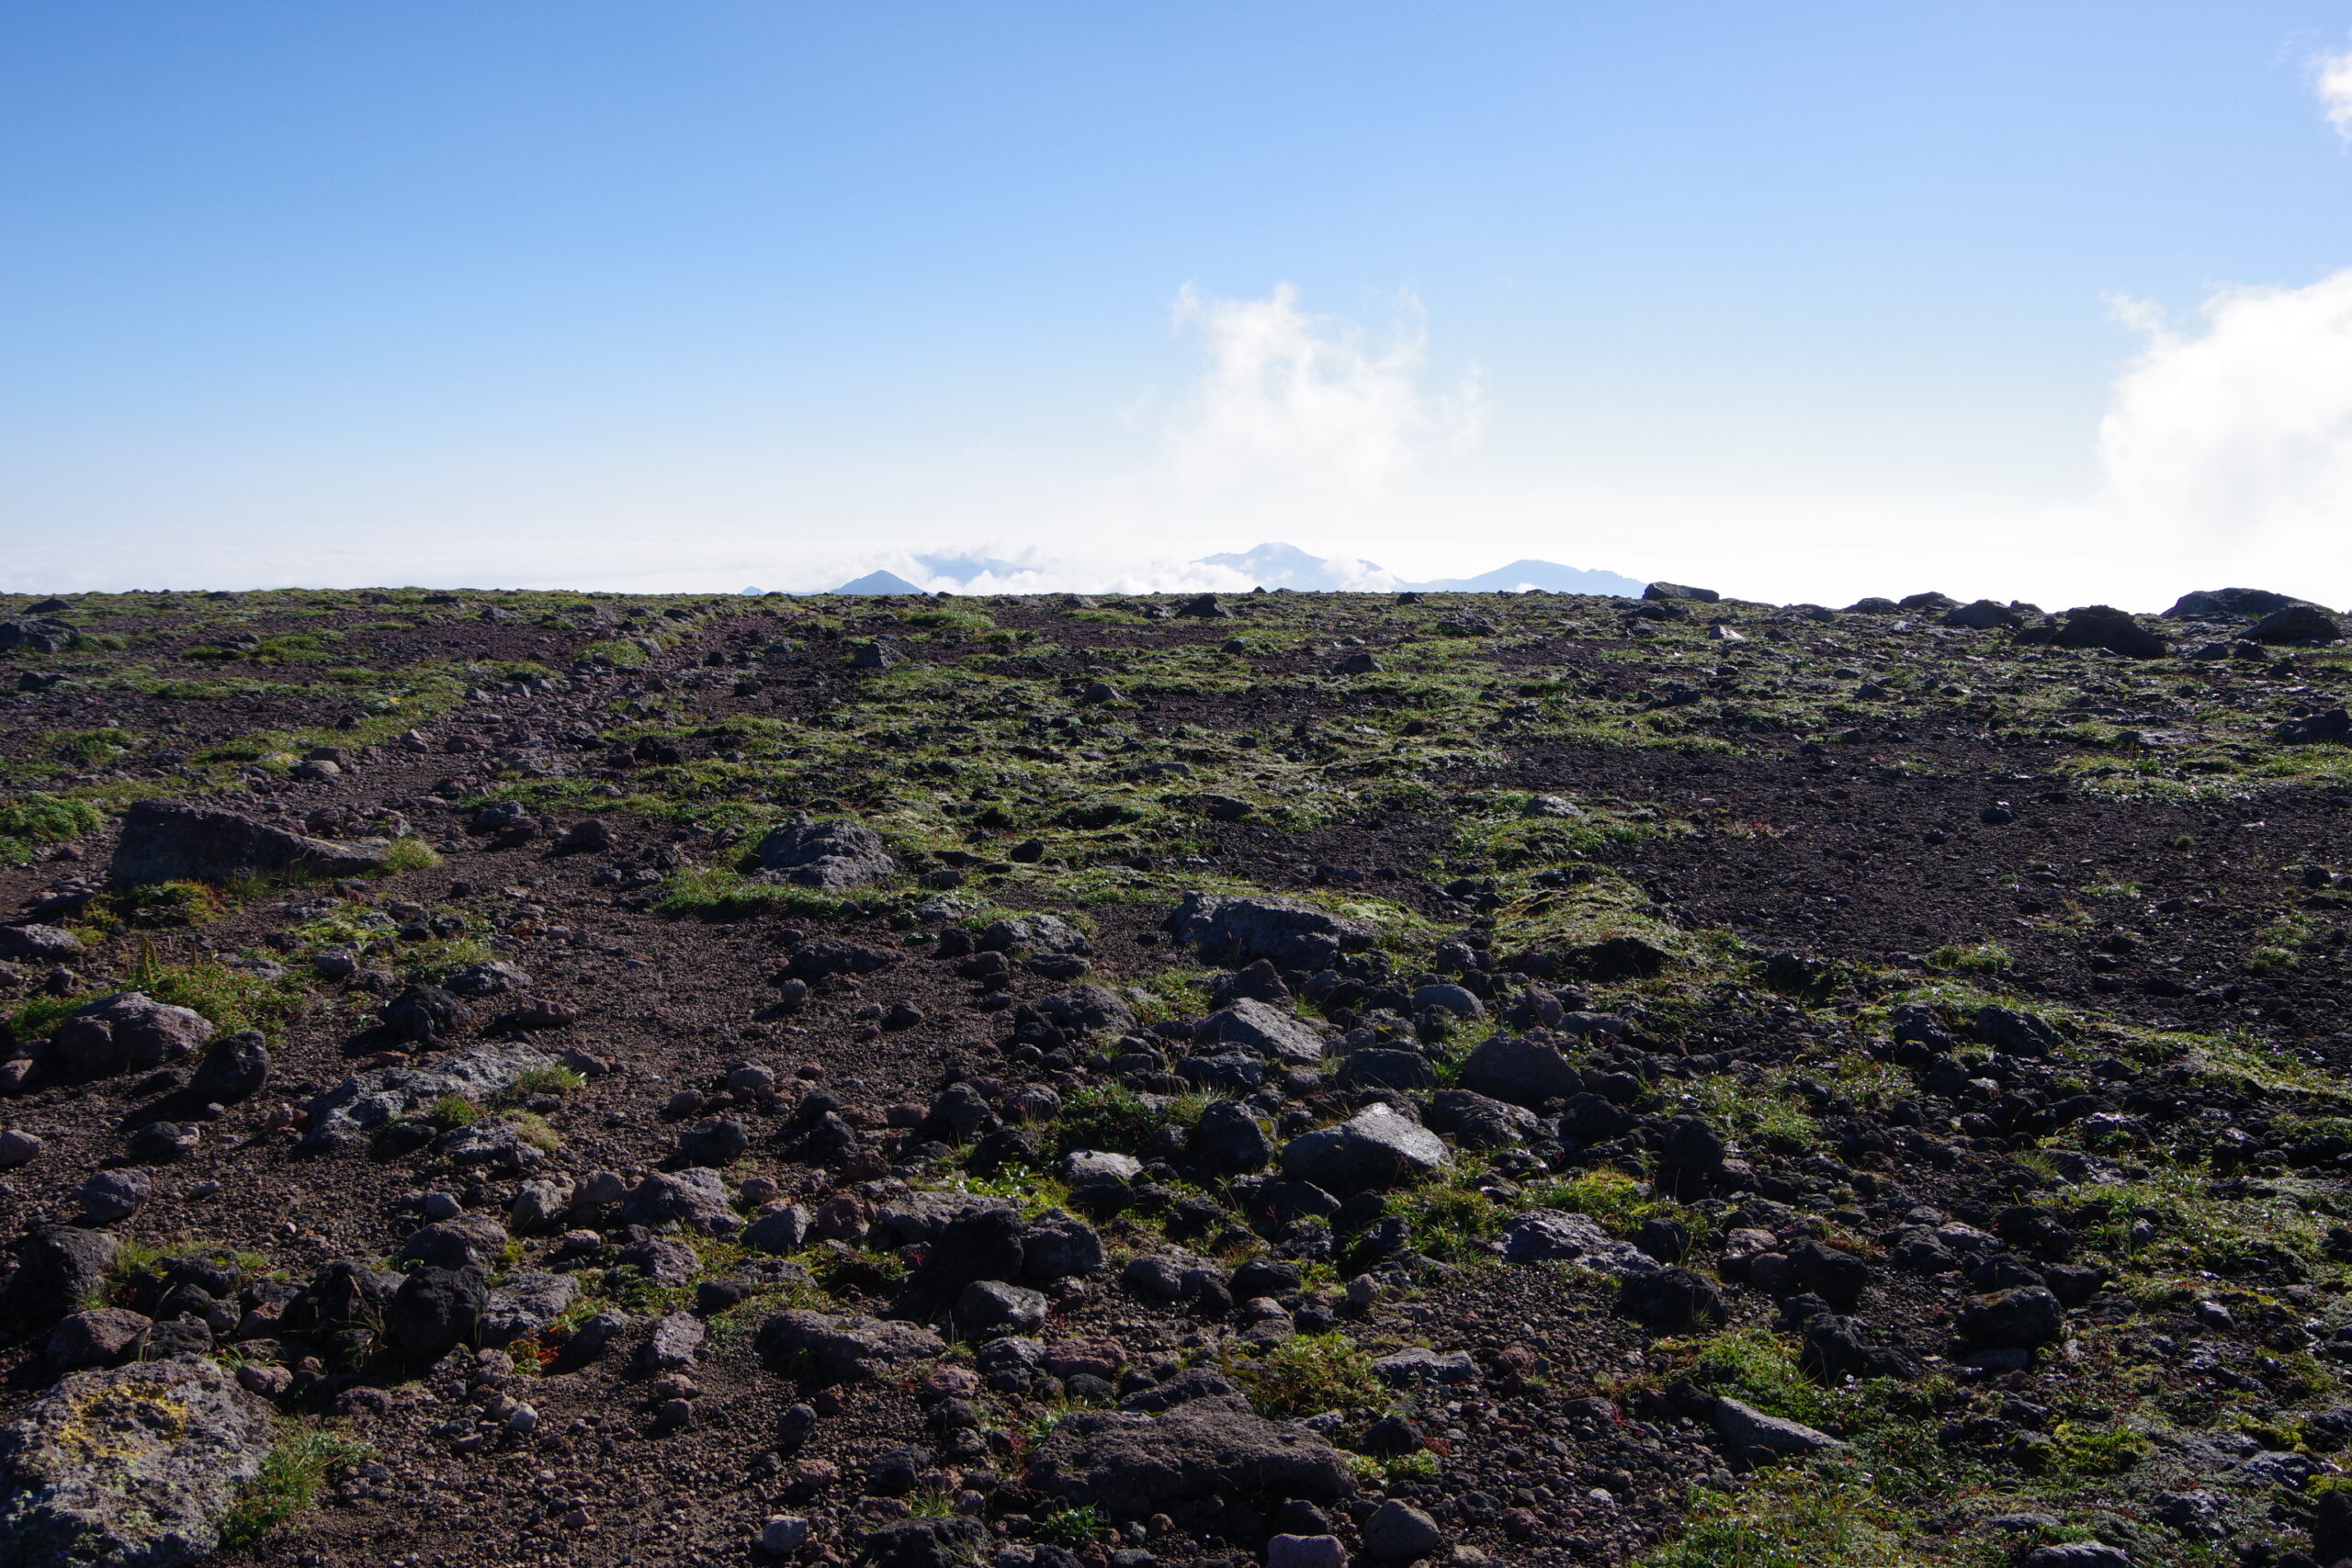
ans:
(1087, 1009)
(695, 1198)
(170, 841)
(1293, 935)
(40, 945)
(1555, 1236)
(1129, 1464)
(1524, 1072)
(1057, 1245)
(1471, 1119)
(466, 1239)
(365, 1101)
(2103, 626)
(2296, 622)
(835, 855)
(2227, 603)
(1755, 1437)
(526, 1304)
(1376, 1148)
(845, 1349)
(921, 1217)
(1049, 934)
(36, 634)
(1264, 1030)
(129, 1031)
(133, 1466)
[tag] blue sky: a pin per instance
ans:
(1810, 301)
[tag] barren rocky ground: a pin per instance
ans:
(1306, 1078)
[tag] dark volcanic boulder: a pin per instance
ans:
(435, 1311)
(1473, 1120)
(1262, 1030)
(2019, 1033)
(1839, 1278)
(1233, 931)
(1375, 1148)
(1593, 1119)
(843, 1350)
(2333, 725)
(58, 1268)
(1057, 1246)
(2296, 622)
(1983, 616)
(2024, 1318)
(426, 1014)
(36, 634)
(128, 1032)
(1130, 1464)
(1087, 1009)
(819, 957)
(834, 855)
(2103, 626)
(947, 1543)
(133, 1466)
(168, 841)
(1376, 1068)
(234, 1067)
(1228, 1139)
(1524, 1072)
(1672, 1301)
(2228, 604)
(1837, 1348)
(984, 1244)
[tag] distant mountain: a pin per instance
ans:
(1287, 565)
(1524, 574)
(878, 582)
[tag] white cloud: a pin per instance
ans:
(1309, 407)
(2333, 72)
(2233, 440)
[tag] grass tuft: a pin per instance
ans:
(291, 1474)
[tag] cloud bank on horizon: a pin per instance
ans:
(1270, 565)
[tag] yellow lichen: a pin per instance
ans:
(119, 1423)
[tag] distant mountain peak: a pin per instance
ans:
(878, 582)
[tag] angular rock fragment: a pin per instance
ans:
(365, 1102)
(167, 840)
(1552, 1236)
(1376, 1148)
(1129, 1464)
(134, 1466)
(1755, 1437)
(835, 855)
(40, 945)
(1233, 930)
(846, 1348)
(1524, 1072)
(1263, 1031)
(129, 1031)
